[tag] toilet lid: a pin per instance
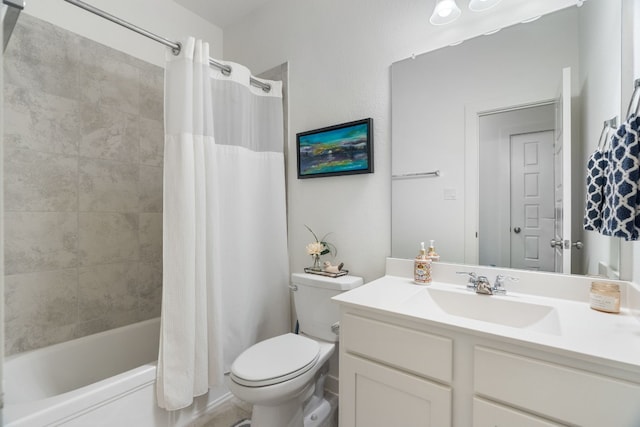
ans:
(275, 360)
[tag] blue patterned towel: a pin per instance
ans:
(596, 180)
(621, 213)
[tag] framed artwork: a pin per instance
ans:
(344, 149)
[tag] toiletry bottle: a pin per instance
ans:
(422, 267)
(431, 253)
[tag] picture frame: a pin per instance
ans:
(344, 149)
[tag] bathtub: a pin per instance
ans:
(105, 379)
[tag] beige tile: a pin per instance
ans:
(37, 181)
(106, 291)
(39, 121)
(151, 237)
(80, 118)
(27, 336)
(107, 78)
(151, 142)
(40, 308)
(152, 92)
(149, 290)
(107, 186)
(106, 238)
(39, 241)
(109, 133)
(150, 189)
(43, 57)
(105, 323)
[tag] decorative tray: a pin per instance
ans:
(326, 273)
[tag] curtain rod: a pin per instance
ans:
(175, 47)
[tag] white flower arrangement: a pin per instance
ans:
(315, 248)
(320, 246)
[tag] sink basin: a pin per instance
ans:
(506, 311)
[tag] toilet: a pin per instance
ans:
(283, 377)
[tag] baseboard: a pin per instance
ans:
(332, 384)
(203, 415)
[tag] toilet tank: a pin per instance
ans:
(312, 295)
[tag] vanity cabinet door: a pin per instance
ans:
(489, 414)
(375, 395)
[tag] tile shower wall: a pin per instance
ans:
(83, 149)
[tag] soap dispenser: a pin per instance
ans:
(431, 253)
(422, 267)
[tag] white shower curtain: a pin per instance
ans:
(225, 263)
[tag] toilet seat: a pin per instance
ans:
(275, 360)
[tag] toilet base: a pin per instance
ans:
(317, 412)
(286, 415)
(314, 414)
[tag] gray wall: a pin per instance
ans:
(83, 187)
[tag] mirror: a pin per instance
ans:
(444, 104)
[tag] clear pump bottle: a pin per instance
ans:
(431, 253)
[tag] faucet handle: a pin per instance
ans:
(499, 285)
(473, 279)
(468, 273)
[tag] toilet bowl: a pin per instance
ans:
(283, 377)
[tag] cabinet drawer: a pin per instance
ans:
(490, 414)
(410, 350)
(570, 395)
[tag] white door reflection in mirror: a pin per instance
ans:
(532, 201)
(515, 186)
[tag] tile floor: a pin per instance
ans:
(234, 410)
(227, 414)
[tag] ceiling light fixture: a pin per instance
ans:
(445, 12)
(480, 5)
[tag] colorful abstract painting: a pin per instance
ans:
(336, 150)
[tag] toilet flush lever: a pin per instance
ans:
(293, 287)
(335, 328)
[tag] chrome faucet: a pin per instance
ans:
(481, 285)
(477, 284)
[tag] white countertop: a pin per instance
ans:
(578, 331)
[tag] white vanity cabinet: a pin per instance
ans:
(396, 371)
(393, 376)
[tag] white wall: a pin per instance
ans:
(161, 17)
(339, 54)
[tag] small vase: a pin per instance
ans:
(316, 263)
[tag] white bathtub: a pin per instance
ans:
(106, 379)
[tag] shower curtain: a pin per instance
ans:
(225, 262)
